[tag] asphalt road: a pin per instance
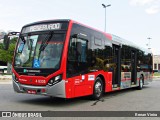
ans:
(147, 99)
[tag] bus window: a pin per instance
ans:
(125, 59)
(77, 56)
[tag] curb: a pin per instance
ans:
(5, 78)
(156, 76)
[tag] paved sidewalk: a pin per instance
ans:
(5, 79)
(156, 76)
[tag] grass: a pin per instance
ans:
(156, 74)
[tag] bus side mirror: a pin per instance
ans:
(6, 42)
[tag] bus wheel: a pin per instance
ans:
(140, 83)
(98, 89)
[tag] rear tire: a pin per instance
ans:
(140, 83)
(98, 89)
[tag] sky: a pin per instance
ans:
(134, 20)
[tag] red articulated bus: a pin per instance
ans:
(63, 58)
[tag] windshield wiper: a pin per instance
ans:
(23, 39)
(45, 42)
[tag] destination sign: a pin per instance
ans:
(42, 27)
(45, 27)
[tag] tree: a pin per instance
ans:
(7, 55)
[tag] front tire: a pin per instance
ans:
(98, 89)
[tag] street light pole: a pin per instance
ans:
(149, 47)
(104, 6)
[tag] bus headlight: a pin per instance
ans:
(55, 80)
(14, 78)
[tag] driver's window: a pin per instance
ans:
(77, 50)
(77, 57)
(72, 50)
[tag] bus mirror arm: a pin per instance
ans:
(13, 33)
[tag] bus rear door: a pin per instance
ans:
(117, 63)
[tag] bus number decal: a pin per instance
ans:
(40, 81)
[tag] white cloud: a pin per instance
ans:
(142, 2)
(153, 10)
(150, 6)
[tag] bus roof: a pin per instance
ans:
(112, 37)
(128, 43)
(47, 21)
(109, 36)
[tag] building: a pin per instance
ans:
(156, 62)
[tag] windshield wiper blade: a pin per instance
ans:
(45, 42)
(23, 39)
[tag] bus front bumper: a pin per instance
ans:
(57, 90)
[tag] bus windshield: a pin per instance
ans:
(41, 50)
